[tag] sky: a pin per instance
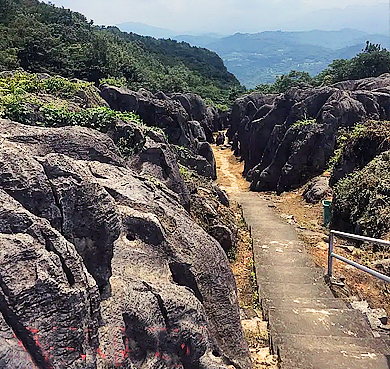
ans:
(203, 16)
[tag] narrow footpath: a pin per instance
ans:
(309, 328)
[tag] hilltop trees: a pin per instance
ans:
(43, 38)
(371, 62)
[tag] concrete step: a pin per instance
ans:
(294, 290)
(309, 328)
(285, 274)
(319, 322)
(282, 258)
(268, 303)
(313, 352)
(266, 233)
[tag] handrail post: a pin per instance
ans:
(330, 255)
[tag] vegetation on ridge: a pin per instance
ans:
(43, 38)
(57, 102)
(371, 62)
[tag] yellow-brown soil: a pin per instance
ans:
(229, 171)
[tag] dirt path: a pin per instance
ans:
(229, 171)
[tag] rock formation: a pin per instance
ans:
(289, 138)
(185, 119)
(101, 266)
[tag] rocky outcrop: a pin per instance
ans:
(157, 160)
(100, 265)
(220, 139)
(197, 163)
(184, 118)
(359, 147)
(287, 139)
(197, 110)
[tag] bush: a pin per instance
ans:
(361, 202)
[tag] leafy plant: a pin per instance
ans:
(303, 122)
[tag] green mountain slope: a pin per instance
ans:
(260, 57)
(43, 38)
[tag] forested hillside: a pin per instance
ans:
(43, 38)
(261, 57)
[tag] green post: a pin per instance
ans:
(327, 214)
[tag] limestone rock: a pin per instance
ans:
(223, 235)
(317, 190)
(102, 267)
(220, 139)
(285, 140)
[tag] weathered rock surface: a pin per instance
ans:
(102, 267)
(220, 139)
(185, 119)
(363, 144)
(223, 235)
(197, 163)
(281, 153)
(157, 160)
(317, 189)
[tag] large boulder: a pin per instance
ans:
(157, 160)
(102, 267)
(220, 139)
(166, 114)
(184, 118)
(49, 303)
(199, 111)
(317, 189)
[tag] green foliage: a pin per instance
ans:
(363, 198)
(285, 82)
(29, 99)
(303, 122)
(371, 62)
(370, 48)
(20, 83)
(361, 143)
(348, 137)
(43, 38)
(222, 107)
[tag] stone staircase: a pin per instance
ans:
(309, 328)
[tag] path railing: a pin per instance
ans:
(332, 255)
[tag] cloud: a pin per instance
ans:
(225, 16)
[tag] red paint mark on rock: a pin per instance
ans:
(103, 356)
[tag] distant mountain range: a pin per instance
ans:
(312, 45)
(146, 30)
(260, 57)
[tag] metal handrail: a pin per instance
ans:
(332, 255)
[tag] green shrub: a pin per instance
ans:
(362, 200)
(303, 122)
